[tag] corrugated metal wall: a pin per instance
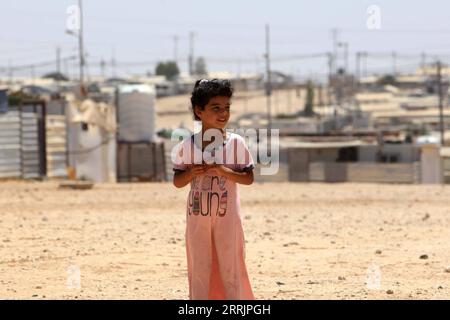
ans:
(21, 143)
(10, 161)
(30, 145)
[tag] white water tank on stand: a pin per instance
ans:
(136, 112)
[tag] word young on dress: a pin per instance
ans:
(262, 147)
(205, 200)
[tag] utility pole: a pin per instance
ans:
(441, 102)
(335, 45)
(330, 74)
(79, 35)
(365, 54)
(191, 53)
(346, 58)
(80, 45)
(394, 63)
(268, 83)
(102, 67)
(175, 49)
(10, 71)
(58, 59)
(113, 62)
(239, 67)
(423, 61)
(58, 66)
(358, 68)
(345, 46)
(66, 68)
(33, 74)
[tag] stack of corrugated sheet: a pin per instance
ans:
(10, 145)
(30, 145)
(56, 146)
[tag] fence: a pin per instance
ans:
(365, 172)
(141, 161)
(10, 145)
(32, 143)
(22, 141)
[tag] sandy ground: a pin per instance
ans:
(304, 241)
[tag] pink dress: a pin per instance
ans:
(215, 244)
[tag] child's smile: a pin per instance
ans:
(216, 113)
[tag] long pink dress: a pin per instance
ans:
(215, 244)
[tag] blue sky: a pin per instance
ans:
(229, 34)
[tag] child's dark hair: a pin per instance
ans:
(205, 90)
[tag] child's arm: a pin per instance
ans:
(242, 177)
(182, 178)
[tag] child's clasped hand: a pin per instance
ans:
(215, 169)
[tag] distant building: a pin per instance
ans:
(342, 159)
(163, 86)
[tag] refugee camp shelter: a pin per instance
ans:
(92, 140)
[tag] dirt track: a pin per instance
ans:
(304, 241)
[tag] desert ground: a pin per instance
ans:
(303, 241)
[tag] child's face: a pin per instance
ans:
(216, 113)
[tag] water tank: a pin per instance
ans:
(136, 112)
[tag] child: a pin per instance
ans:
(215, 244)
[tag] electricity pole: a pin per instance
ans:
(175, 49)
(58, 66)
(330, 74)
(191, 53)
(268, 83)
(80, 44)
(423, 61)
(358, 68)
(10, 71)
(345, 46)
(394, 63)
(102, 67)
(113, 62)
(441, 102)
(58, 59)
(79, 35)
(33, 75)
(365, 55)
(335, 44)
